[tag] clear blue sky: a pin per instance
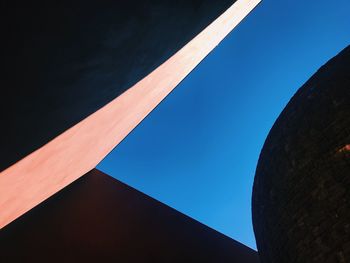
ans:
(197, 151)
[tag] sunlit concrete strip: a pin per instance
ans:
(79, 149)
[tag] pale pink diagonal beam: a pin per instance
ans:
(79, 149)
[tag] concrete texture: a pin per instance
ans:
(98, 219)
(301, 194)
(80, 148)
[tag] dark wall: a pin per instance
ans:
(301, 194)
(63, 60)
(98, 219)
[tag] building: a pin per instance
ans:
(301, 194)
(98, 219)
(79, 77)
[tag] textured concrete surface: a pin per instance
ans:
(301, 194)
(98, 219)
(80, 148)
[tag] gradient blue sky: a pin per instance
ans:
(197, 151)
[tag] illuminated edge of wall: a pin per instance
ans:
(80, 148)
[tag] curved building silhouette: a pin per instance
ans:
(79, 76)
(301, 193)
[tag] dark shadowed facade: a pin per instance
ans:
(98, 219)
(301, 194)
(63, 61)
(78, 78)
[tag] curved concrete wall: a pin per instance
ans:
(66, 59)
(81, 147)
(301, 194)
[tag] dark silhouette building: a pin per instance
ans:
(78, 77)
(63, 61)
(301, 193)
(98, 219)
